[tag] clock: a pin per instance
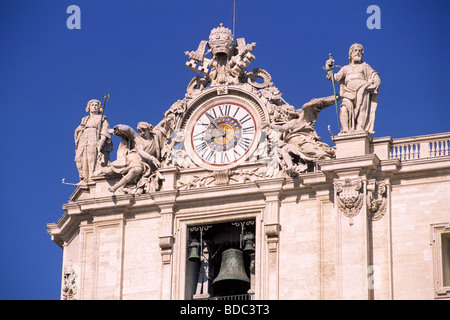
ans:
(222, 135)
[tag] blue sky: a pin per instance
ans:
(135, 50)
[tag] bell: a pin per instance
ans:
(193, 251)
(232, 278)
(249, 247)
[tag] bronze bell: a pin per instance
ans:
(194, 255)
(249, 246)
(232, 278)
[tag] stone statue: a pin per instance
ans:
(165, 128)
(301, 144)
(92, 141)
(359, 85)
(137, 157)
(228, 61)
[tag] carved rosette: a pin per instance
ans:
(350, 197)
(377, 200)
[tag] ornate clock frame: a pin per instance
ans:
(211, 98)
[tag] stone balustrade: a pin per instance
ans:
(420, 147)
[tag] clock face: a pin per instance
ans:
(223, 134)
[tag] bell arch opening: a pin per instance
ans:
(220, 261)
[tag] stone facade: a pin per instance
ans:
(359, 220)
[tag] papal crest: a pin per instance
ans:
(349, 197)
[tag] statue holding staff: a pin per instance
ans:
(359, 85)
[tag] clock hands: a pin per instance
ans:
(215, 124)
(209, 137)
(217, 135)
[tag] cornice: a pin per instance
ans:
(425, 164)
(83, 206)
(361, 163)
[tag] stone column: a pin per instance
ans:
(363, 237)
(165, 200)
(271, 190)
(380, 242)
(324, 195)
(352, 237)
(351, 171)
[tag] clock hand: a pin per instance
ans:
(217, 135)
(206, 137)
(209, 137)
(215, 124)
(226, 137)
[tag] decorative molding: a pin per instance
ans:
(272, 231)
(166, 244)
(70, 287)
(166, 256)
(437, 232)
(222, 90)
(166, 200)
(220, 178)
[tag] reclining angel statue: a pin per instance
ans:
(299, 141)
(138, 158)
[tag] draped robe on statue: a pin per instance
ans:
(359, 92)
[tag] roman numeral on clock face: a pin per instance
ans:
(224, 110)
(245, 119)
(248, 130)
(201, 147)
(244, 143)
(211, 156)
(198, 136)
(211, 114)
(224, 157)
(236, 153)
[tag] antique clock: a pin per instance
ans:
(223, 133)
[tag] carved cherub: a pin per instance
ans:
(301, 142)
